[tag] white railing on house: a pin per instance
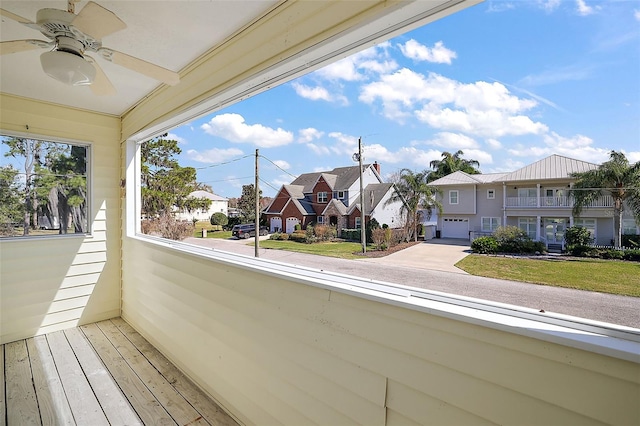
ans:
(559, 201)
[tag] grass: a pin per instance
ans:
(604, 276)
(343, 250)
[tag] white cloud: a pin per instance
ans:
(319, 149)
(213, 155)
(281, 180)
(318, 93)
(483, 157)
(355, 67)
(309, 134)
(180, 140)
(583, 9)
(633, 156)
(549, 5)
(636, 14)
(579, 147)
(282, 164)
(419, 52)
(493, 143)
(232, 127)
(576, 72)
(500, 6)
(453, 141)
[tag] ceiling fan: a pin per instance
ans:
(70, 37)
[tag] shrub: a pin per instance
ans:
(612, 254)
(378, 236)
(633, 255)
(298, 236)
(511, 239)
(219, 218)
(577, 235)
(232, 221)
(309, 236)
(485, 245)
(582, 251)
(298, 227)
(324, 232)
(385, 226)
(169, 227)
(630, 240)
(148, 226)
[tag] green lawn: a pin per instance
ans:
(586, 274)
(344, 250)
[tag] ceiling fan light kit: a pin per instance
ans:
(68, 68)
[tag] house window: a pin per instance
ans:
(340, 195)
(322, 197)
(453, 197)
(490, 224)
(491, 194)
(589, 224)
(528, 225)
(46, 188)
(629, 227)
(358, 222)
(320, 219)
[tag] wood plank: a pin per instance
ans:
(175, 404)
(84, 405)
(22, 406)
(142, 400)
(3, 406)
(113, 402)
(52, 401)
(206, 406)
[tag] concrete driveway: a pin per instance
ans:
(436, 255)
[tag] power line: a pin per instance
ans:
(224, 163)
(278, 167)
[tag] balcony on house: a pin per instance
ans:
(561, 201)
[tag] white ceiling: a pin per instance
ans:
(171, 34)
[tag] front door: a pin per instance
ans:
(554, 230)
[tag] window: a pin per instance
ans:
(491, 194)
(453, 197)
(45, 187)
(589, 224)
(322, 197)
(629, 227)
(528, 225)
(340, 195)
(490, 224)
(358, 222)
(320, 219)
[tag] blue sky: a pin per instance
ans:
(506, 82)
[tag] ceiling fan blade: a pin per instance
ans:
(15, 46)
(143, 67)
(97, 22)
(101, 85)
(14, 17)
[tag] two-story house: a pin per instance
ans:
(534, 198)
(333, 198)
(218, 205)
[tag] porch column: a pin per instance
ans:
(538, 226)
(571, 221)
(538, 198)
(504, 204)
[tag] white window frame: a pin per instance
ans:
(323, 195)
(635, 226)
(89, 177)
(457, 196)
(527, 222)
(357, 222)
(320, 219)
(587, 224)
(491, 194)
(494, 223)
(340, 195)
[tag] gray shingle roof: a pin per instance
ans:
(339, 179)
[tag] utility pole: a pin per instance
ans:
(257, 206)
(363, 233)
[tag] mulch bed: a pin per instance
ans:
(383, 253)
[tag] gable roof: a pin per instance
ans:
(339, 205)
(208, 195)
(338, 179)
(552, 167)
(373, 195)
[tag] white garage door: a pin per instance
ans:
(276, 224)
(291, 224)
(454, 227)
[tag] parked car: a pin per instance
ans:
(247, 230)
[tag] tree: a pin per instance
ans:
(219, 219)
(165, 184)
(11, 200)
(452, 163)
(247, 203)
(412, 191)
(616, 178)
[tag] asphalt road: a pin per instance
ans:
(621, 310)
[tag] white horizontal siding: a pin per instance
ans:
(52, 283)
(277, 351)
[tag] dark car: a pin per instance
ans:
(247, 230)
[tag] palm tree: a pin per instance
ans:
(616, 178)
(452, 163)
(412, 191)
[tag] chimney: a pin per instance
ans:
(376, 166)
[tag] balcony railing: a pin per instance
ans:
(553, 202)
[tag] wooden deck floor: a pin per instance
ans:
(98, 374)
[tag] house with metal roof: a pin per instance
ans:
(534, 198)
(218, 204)
(333, 198)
